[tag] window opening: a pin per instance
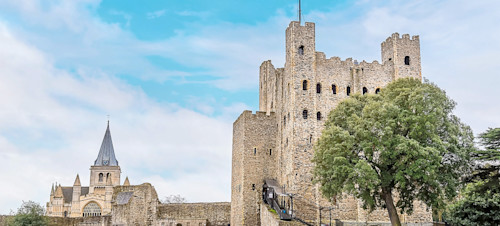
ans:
(304, 114)
(301, 50)
(310, 138)
(318, 88)
(334, 89)
(377, 91)
(348, 90)
(91, 209)
(254, 151)
(304, 85)
(253, 187)
(100, 177)
(407, 60)
(318, 116)
(365, 90)
(270, 151)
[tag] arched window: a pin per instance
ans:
(100, 177)
(365, 90)
(304, 114)
(318, 88)
(304, 85)
(318, 116)
(91, 209)
(348, 90)
(301, 50)
(407, 60)
(377, 91)
(334, 89)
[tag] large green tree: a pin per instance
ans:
(30, 213)
(404, 140)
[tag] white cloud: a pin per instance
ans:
(156, 14)
(63, 115)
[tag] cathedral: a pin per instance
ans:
(92, 200)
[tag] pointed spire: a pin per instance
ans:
(126, 183)
(77, 181)
(106, 155)
(52, 190)
(59, 192)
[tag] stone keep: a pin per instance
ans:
(294, 101)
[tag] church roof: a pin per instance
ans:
(106, 155)
(68, 193)
(123, 197)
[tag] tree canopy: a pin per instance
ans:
(30, 213)
(480, 202)
(404, 139)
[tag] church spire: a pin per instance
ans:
(52, 190)
(106, 155)
(77, 181)
(126, 183)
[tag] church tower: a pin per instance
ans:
(105, 167)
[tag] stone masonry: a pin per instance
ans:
(277, 141)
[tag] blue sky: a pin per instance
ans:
(174, 75)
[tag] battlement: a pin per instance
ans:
(395, 36)
(257, 115)
(296, 24)
(348, 62)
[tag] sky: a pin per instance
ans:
(174, 75)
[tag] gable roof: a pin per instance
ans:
(68, 193)
(106, 155)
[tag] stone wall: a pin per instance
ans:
(67, 221)
(138, 208)
(215, 214)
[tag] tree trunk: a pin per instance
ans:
(389, 202)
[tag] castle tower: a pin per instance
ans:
(75, 202)
(299, 109)
(126, 182)
(404, 54)
(300, 96)
(105, 166)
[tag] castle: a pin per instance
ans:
(275, 145)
